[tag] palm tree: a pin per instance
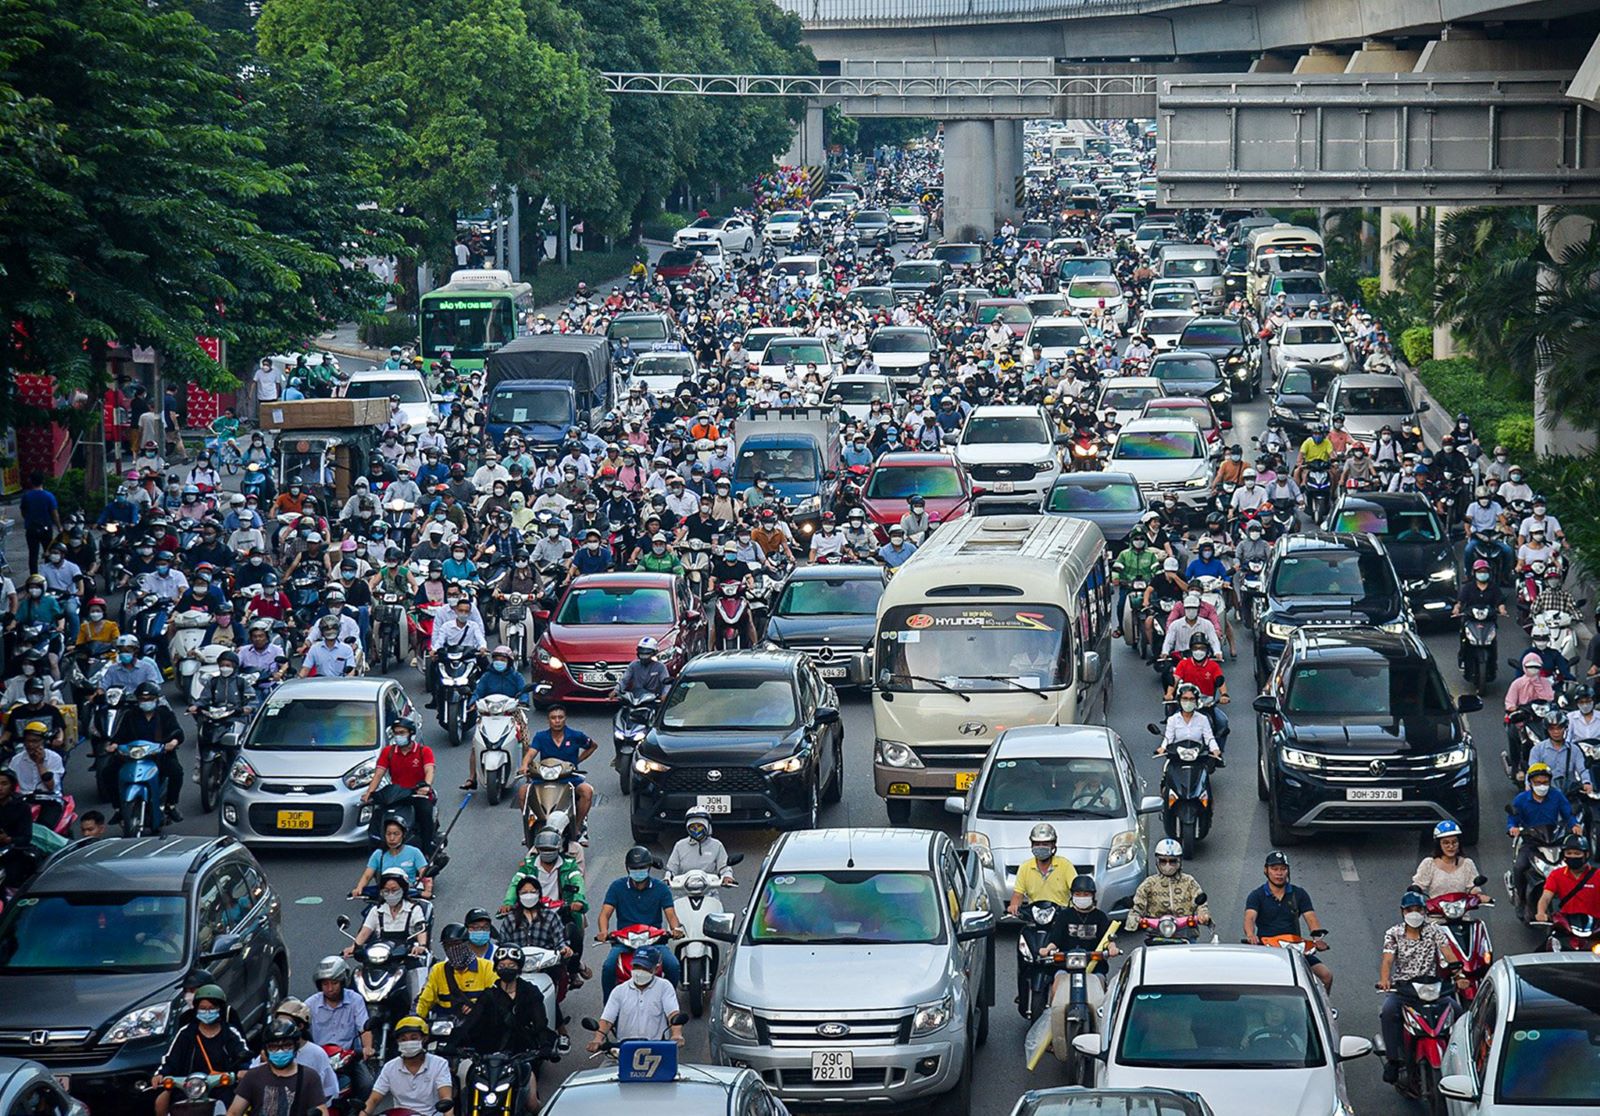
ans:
(1486, 285)
(1568, 322)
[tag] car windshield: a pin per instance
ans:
(1046, 304)
(796, 268)
(1081, 496)
(1094, 288)
(960, 254)
(730, 701)
(1298, 285)
(1127, 398)
(1057, 336)
(785, 217)
(900, 341)
(1328, 573)
(1174, 299)
(1164, 325)
(1183, 368)
(1381, 689)
(856, 908)
(905, 481)
(94, 932)
(706, 223)
(871, 296)
(915, 273)
(547, 405)
(1550, 1054)
(1310, 335)
(664, 364)
(1373, 401)
(306, 724)
(409, 389)
(1010, 313)
(1072, 269)
(779, 463)
(973, 647)
(1053, 786)
(1220, 1028)
(1307, 379)
(1158, 445)
(860, 391)
(1212, 335)
(872, 217)
(1197, 413)
(1188, 266)
(1097, 1103)
(679, 257)
(801, 352)
(906, 211)
(1402, 525)
(616, 605)
(834, 597)
(638, 329)
(1004, 430)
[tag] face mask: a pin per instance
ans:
(1516, 478)
(1481, 577)
(528, 900)
(1187, 705)
(1415, 919)
(1250, 482)
(1540, 789)
(1199, 654)
(280, 1058)
(1083, 902)
(507, 974)
(478, 937)
(1043, 852)
(1586, 707)
(409, 1048)
(1191, 614)
(400, 739)
(638, 875)
(1538, 509)
(148, 706)
(392, 896)
(593, 547)
(96, 615)
(1483, 501)
(1531, 672)
(643, 977)
(208, 1015)
(226, 672)
(549, 858)
(124, 657)
(163, 569)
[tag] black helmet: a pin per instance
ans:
(1575, 841)
(455, 932)
(1082, 885)
(229, 658)
(147, 690)
(282, 1030)
(477, 914)
(639, 857)
(1276, 859)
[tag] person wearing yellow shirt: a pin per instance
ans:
(95, 628)
(1315, 448)
(458, 980)
(1046, 876)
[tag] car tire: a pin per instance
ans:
(276, 983)
(1277, 832)
(958, 1099)
(813, 818)
(836, 784)
(641, 835)
(899, 810)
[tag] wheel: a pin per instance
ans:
(1035, 1002)
(693, 973)
(1277, 832)
(211, 776)
(452, 722)
(494, 785)
(899, 810)
(133, 818)
(836, 784)
(625, 774)
(642, 836)
(1428, 1090)
(813, 816)
(1188, 833)
(982, 1036)
(1261, 767)
(274, 993)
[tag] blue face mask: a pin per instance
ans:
(501, 666)
(207, 1015)
(478, 937)
(638, 875)
(124, 657)
(280, 1058)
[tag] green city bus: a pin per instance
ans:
(471, 316)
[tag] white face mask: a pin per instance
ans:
(528, 899)
(643, 977)
(1414, 919)
(1083, 902)
(409, 1048)
(1540, 789)
(392, 896)
(1187, 704)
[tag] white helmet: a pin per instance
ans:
(1167, 848)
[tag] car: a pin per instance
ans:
(959, 255)
(873, 298)
(1010, 449)
(1056, 336)
(1045, 305)
(805, 270)
(1068, 246)
(1369, 403)
(909, 221)
(1150, 231)
(832, 207)
(1233, 1023)
(1166, 455)
(1013, 312)
(733, 234)
(1175, 297)
(1533, 1016)
(1126, 396)
(594, 631)
(829, 613)
(1190, 407)
(646, 331)
(690, 1090)
(1309, 341)
(674, 265)
(756, 340)
(1036, 232)
(801, 352)
(1076, 1100)
(306, 760)
(855, 393)
(713, 258)
(1296, 396)
(662, 372)
(904, 352)
(1234, 348)
(1074, 267)
(1163, 327)
(1421, 547)
(1300, 290)
(896, 477)
(1080, 779)
(29, 1089)
(1356, 730)
(894, 923)
(95, 948)
(417, 407)
(754, 738)
(911, 278)
(782, 227)
(1184, 373)
(1111, 501)
(1088, 293)
(874, 228)
(1325, 579)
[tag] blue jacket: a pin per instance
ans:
(509, 684)
(1528, 811)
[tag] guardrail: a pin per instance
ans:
(846, 15)
(880, 85)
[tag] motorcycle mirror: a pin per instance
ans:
(1200, 899)
(678, 1018)
(1153, 729)
(1479, 881)
(1509, 811)
(445, 1105)
(736, 858)
(342, 922)
(589, 1024)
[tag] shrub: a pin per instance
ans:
(73, 495)
(1515, 432)
(1572, 485)
(1370, 287)
(393, 328)
(663, 225)
(1459, 385)
(1416, 344)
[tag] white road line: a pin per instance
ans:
(1347, 866)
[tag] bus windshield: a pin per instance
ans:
(928, 647)
(467, 327)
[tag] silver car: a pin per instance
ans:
(1369, 403)
(307, 758)
(1080, 779)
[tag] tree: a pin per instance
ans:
(1486, 285)
(1569, 323)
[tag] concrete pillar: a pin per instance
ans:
(1388, 224)
(969, 174)
(806, 149)
(1561, 436)
(1008, 168)
(1444, 342)
(1322, 60)
(1379, 57)
(1272, 64)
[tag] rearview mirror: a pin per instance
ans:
(827, 715)
(736, 858)
(956, 804)
(1266, 703)
(342, 922)
(1457, 1086)
(223, 945)
(1354, 1046)
(1149, 804)
(721, 927)
(1091, 668)
(1090, 1045)
(974, 925)
(1424, 406)
(1469, 703)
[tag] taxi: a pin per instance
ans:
(648, 1073)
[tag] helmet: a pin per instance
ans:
(455, 932)
(398, 875)
(648, 646)
(646, 958)
(333, 967)
(296, 1010)
(1189, 689)
(403, 723)
(127, 643)
(501, 651)
(1413, 898)
(547, 840)
(1083, 884)
(285, 1030)
(146, 690)
(1275, 859)
(477, 914)
(508, 953)
(229, 658)
(1446, 829)
(1539, 769)
(1042, 834)
(1167, 847)
(211, 992)
(1575, 841)
(411, 1023)
(38, 728)
(638, 857)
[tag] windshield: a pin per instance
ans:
(1164, 325)
(1328, 573)
(543, 405)
(1403, 525)
(1297, 285)
(466, 327)
(1127, 398)
(1095, 496)
(915, 273)
(1373, 401)
(1013, 430)
(796, 267)
(974, 647)
(1173, 299)
(1096, 1103)
(782, 351)
(730, 701)
(94, 931)
(607, 605)
(1157, 445)
(409, 390)
(847, 907)
(1055, 786)
(1213, 336)
(706, 223)
(677, 258)
(1550, 1055)
(638, 329)
(860, 391)
(1408, 688)
(1184, 267)
(1212, 1028)
(1046, 304)
(1057, 336)
(1072, 269)
(1310, 335)
(1183, 368)
(833, 597)
(1307, 379)
(1011, 314)
(1197, 413)
(785, 217)
(871, 296)
(872, 217)
(960, 254)
(302, 724)
(780, 464)
(664, 364)
(1094, 288)
(900, 341)
(905, 481)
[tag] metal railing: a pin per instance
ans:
(847, 15)
(880, 85)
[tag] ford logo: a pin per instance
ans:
(972, 728)
(714, 775)
(832, 1030)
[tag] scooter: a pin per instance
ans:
(537, 965)
(1251, 576)
(1073, 1014)
(1131, 621)
(195, 1094)
(1186, 795)
(498, 1080)
(1469, 936)
(185, 634)
(630, 725)
(1173, 929)
(502, 727)
(1563, 637)
(1427, 1013)
(1318, 490)
(516, 625)
(1035, 970)
(387, 620)
(633, 938)
(730, 618)
(221, 735)
(1545, 860)
(387, 982)
(139, 788)
(64, 821)
(552, 801)
(458, 674)
(699, 957)
(1570, 933)
(1480, 639)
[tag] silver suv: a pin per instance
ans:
(887, 1024)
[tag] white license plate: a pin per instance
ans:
(1372, 794)
(595, 677)
(833, 1065)
(1001, 486)
(832, 671)
(715, 803)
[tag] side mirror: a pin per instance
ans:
(1152, 728)
(1091, 667)
(1353, 1046)
(440, 861)
(541, 614)
(975, 925)
(1479, 881)
(342, 922)
(1090, 1045)
(736, 858)
(678, 1018)
(1200, 899)
(223, 945)
(1322, 408)
(1457, 1086)
(827, 715)
(721, 927)
(956, 804)
(1266, 703)
(979, 490)
(1225, 424)
(1149, 804)
(830, 474)
(1458, 531)
(1424, 406)
(1469, 703)
(445, 1105)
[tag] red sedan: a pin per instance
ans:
(896, 477)
(596, 627)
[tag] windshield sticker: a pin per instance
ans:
(983, 618)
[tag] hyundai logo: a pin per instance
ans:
(39, 1038)
(1377, 767)
(973, 728)
(832, 1030)
(714, 775)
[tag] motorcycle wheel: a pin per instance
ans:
(452, 722)
(625, 776)
(133, 814)
(105, 783)
(1034, 1003)
(383, 650)
(1188, 833)
(693, 973)
(211, 776)
(493, 785)
(1428, 1090)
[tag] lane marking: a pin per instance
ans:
(1347, 866)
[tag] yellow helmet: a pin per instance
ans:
(1539, 769)
(37, 726)
(411, 1023)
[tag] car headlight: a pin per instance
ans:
(360, 775)
(1394, 627)
(1218, 397)
(1305, 761)
(893, 753)
(140, 1023)
(543, 657)
(1123, 847)
(1444, 575)
(1197, 482)
(241, 774)
(930, 1017)
(1235, 358)
(1455, 757)
(1276, 630)
(646, 766)
(739, 1021)
(789, 766)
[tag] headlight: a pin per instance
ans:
(360, 775)
(1235, 358)
(1443, 575)
(1455, 757)
(790, 766)
(141, 1023)
(1454, 909)
(544, 658)
(739, 1021)
(930, 1017)
(1219, 397)
(646, 766)
(1305, 761)
(243, 775)
(892, 753)
(1123, 846)
(1394, 627)
(1197, 482)
(1279, 631)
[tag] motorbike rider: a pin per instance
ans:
(508, 1018)
(1171, 891)
(1575, 886)
(1044, 876)
(454, 626)
(1276, 908)
(500, 679)
(35, 706)
(399, 920)
(1569, 767)
(564, 743)
(698, 850)
(261, 654)
(414, 1080)
(637, 899)
(152, 719)
(40, 773)
(1447, 871)
(1186, 624)
(1188, 723)
(1532, 686)
(18, 858)
(1583, 723)
(644, 1008)
(894, 553)
(226, 687)
(1081, 925)
(205, 1045)
(1536, 807)
(410, 766)
(559, 876)
(646, 675)
(394, 854)
(1479, 591)
(532, 923)
(455, 984)
(328, 657)
(283, 1079)
(1204, 673)
(1412, 948)
(1137, 562)
(339, 1018)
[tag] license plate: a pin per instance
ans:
(1372, 794)
(832, 671)
(595, 677)
(294, 819)
(715, 803)
(965, 779)
(833, 1065)
(65, 1081)
(1001, 486)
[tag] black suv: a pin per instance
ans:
(1326, 580)
(1356, 729)
(1421, 547)
(753, 737)
(1226, 341)
(94, 950)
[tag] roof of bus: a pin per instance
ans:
(1005, 548)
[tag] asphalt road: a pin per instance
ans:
(1355, 881)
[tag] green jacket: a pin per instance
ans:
(1137, 565)
(570, 875)
(650, 562)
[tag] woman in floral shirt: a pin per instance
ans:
(1412, 949)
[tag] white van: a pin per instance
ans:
(1197, 262)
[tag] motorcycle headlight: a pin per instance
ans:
(1443, 575)
(360, 775)
(1279, 631)
(739, 1021)
(549, 772)
(789, 766)
(1123, 847)
(1455, 757)
(1305, 761)
(893, 753)
(1188, 755)
(141, 1023)
(646, 766)
(241, 774)
(1454, 909)
(930, 1017)
(1167, 926)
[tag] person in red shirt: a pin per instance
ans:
(1575, 885)
(1203, 671)
(410, 765)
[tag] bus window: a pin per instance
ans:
(467, 327)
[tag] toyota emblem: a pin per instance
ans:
(714, 775)
(973, 728)
(39, 1038)
(1377, 767)
(832, 1030)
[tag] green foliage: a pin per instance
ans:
(1515, 432)
(663, 225)
(74, 495)
(553, 283)
(1488, 260)
(891, 131)
(1572, 485)
(1370, 287)
(1569, 321)
(1416, 344)
(1460, 384)
(396, 327)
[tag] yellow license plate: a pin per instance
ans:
(294, 819)
(965, 779)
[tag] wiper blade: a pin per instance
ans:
(1012, 682)
(934, 682)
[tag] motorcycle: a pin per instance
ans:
(1318, 490)
(1186, 795)
(195, 1094)
(221, 735)
(516, 625)
(1085, 452)
(1570, 933)
(1173, 929)
(340, 1059)
(1469, 936)
(387, 982)
(630, 725)
(552, 801)
(1131, 621)
(105, 719)
(697, 569)
(458, 674)
(1486, 544)
(387, 611)
(1251, 589)
(1480, 639)
(699, 958)
(501, 732)
(186, 632)
(1546, 859)
(207, 667)
(1427, 1012)
(631, 938)
(1035, 969)
(730, 621)
(1563, 636)
(64, 822)
(497, 1080)
(139, 788)
(1524, 729)
(1073, 1014)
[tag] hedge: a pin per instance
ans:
(1515, 432)
(1416, 344)
(1370, 287)
(663, 225)
(1572, 485)
(73, 495)
(553, 283)
(393, 328)
(1460, 386)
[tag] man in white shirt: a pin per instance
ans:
(40, 771)
(640, 1009)
(415, 1081)
(269, 382)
